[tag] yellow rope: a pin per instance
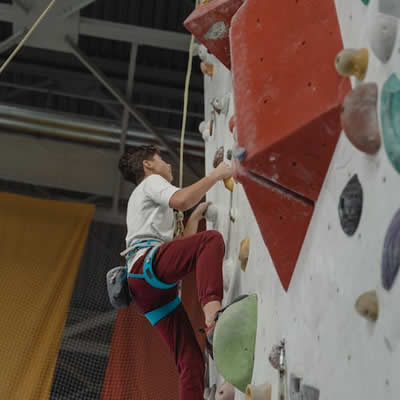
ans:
(27, 36)
(179, 215)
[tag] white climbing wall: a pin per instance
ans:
(328, 344)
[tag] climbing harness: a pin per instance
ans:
(118, 288)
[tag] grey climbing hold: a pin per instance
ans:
(391, 253)
(217, 31)
(309, 392)
(390, 118)
(350, 206)
(389, 7)
(382, 36)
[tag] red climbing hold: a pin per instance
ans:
(210, 25)
(288, 99)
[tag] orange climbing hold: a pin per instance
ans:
(288, 99)
(210, 24)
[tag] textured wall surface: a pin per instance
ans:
(329, 345)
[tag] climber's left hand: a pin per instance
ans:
(200, 210)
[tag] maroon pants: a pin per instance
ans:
(204, 253)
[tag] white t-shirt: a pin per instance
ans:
(149, 215)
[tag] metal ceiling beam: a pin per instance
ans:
(11, 41)
(134, 34)
(22, 6)
(102, 126)
(125, 125)
(8, 12)
(132, 110)
(64, 76)
(73, 135)
(75, 7)
(18, 91)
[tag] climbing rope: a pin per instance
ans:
(27, 36)
(179, 216)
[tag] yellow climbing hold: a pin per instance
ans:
(352, 62)
(244, 253)
(367, 306)
(259, 392)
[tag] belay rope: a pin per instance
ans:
(179, 216)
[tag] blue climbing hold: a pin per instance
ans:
(391, 253)
(390, 117)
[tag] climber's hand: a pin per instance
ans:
(200, 211)
(223, 171)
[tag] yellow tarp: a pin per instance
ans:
(41, 244)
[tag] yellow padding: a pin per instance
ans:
(41, 244)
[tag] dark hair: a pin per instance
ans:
(131, 163)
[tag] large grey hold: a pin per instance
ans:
(391, 253)
(309, 392)
(350, 206)
(382, 35)
(389, 7)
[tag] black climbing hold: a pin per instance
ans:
(391, 253)
(350, 206)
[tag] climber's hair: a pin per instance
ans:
(131, 163)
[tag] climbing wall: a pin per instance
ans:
(316, 152)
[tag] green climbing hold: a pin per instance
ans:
(390, 117)
(366, 2)
(235, 341)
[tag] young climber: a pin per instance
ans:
(156, 261)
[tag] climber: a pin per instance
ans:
(156, 261)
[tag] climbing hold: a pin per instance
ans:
(229, 184)
(204, 2)
(211, 25)
(204, 55)
(207, 69)
(309, 392)
(382, 36)
(244, 253)
(209, 392)
(390, 119)
(206, 129)
(221, 104)
(389, 7)
(360, 118)
(350, 206)
(391, 253)
(366, 2)
(351, 62)
(232, 123)
(367, 306)
(234, 342)
(212, 213)
(225, 392)
(218, 158)
(259, 392)
(239, 153)
(274, 356)
(229, 155)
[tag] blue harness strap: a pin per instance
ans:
(148, 275)
(159, 313)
